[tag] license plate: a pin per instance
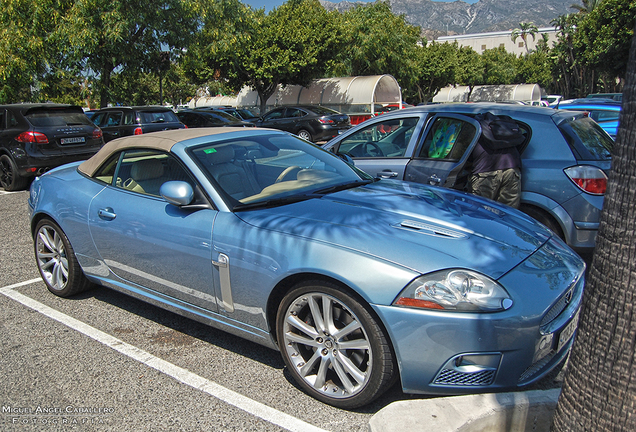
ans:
(73, 140)
(568, 332)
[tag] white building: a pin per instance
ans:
(480, 42)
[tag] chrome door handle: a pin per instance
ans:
(386, 174)
(107, 213)
(434, 180)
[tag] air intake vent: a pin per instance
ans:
(456, 378)
(431, 229)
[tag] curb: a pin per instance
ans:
(491, 412)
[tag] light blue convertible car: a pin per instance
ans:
(357, 281)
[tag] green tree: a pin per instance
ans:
(470, 70)
(603, 38)
(290, 46)
(586, 6)
(121, 35)
(27, 52)
(434, 69)
(525, 29)
(378, 42)
(500, 66)
(599, 392)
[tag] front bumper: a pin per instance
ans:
(459, 353)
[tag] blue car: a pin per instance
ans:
(604, 111)
(357, 282)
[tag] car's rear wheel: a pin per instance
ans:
(56, 260)
(10, 180)
(333, 346)
(544, 218)
(304, 134)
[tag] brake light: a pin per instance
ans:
(138, 131)
(325, 120)
(588, 178)
(97, 133)
(32, 137)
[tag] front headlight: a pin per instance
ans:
(455, 290)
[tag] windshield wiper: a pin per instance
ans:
(343, 186)
(275, 202)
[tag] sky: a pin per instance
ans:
(270, 4)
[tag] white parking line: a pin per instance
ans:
(182, 375)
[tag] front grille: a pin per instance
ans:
(536, 367)
(456, 378)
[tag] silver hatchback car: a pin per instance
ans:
(565, 158)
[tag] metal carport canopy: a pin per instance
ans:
(350, 95)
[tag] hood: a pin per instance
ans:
(420, 227)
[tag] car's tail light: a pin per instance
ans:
(138, 131)
(97, 133)
(32, 137)
(325, 120)
(589, 179)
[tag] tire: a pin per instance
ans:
(544, 218)
(313, 346)
(304, 134)
(56, 260)
(10, 180)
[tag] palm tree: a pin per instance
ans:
(587, 7)
(526, 28)
(599, 392)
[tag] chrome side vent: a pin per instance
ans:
(431, 229)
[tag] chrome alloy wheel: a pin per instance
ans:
(51, 257)
(328, 345)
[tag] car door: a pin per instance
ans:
(441, 155)
(154, 246)
(273, 119)
(384, 146)
(110, 123)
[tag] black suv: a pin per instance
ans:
(117, 122)
(37, 137)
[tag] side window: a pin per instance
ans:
(106, 173)
(11, 120)
(129, 118)
(275, 114)
(388, 138)
(294, 112)
(144, 171)
(447, 139)
(114, 118)
(1, 120)
(99, 118)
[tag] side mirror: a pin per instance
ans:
(178, 193)
(345, 157)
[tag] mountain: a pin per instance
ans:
(459, 17)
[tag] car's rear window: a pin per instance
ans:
(323, 110)
(57, 117)
(158, 117)
(587, 139)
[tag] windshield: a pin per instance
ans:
(273, 169)
(57, 117)
(587, 138)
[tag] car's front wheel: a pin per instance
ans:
(333, 346)
(56, 260)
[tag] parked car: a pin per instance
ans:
(311, 123)
(565, 159)
(210, 118)
(604, 111)
(614, 96)
(117, 122)
(357, 281)
(37, 137)
(244, 114)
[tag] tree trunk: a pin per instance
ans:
(104, 84)
(599, 391)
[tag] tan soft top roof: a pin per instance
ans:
(163, 140)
